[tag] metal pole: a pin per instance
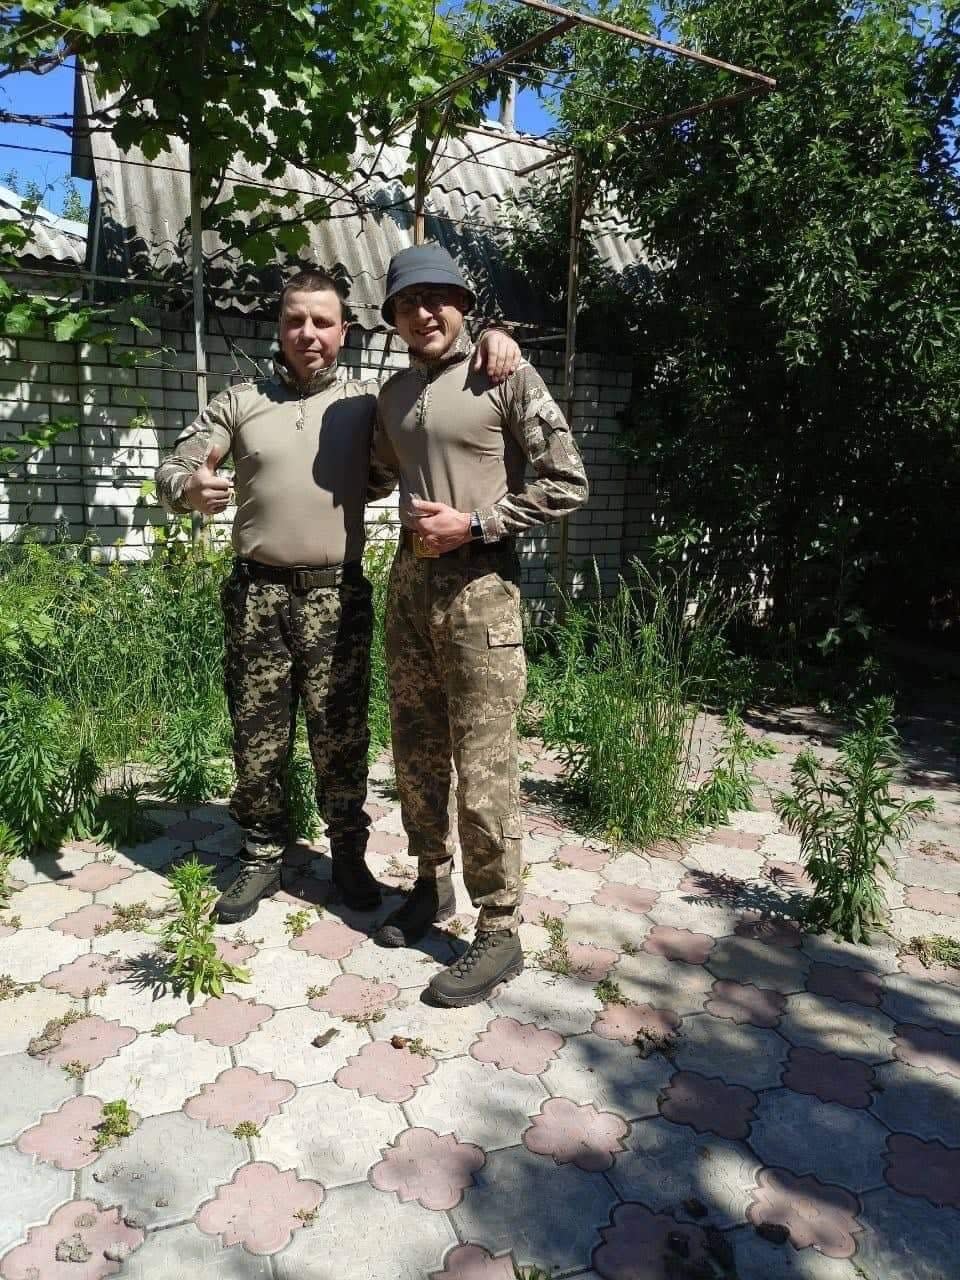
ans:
(420, 189)
(199, 314)
(570, 349)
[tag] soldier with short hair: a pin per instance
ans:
(297, 607)
(461, 445)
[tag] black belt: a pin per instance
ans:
(302, 577)
(504, 546)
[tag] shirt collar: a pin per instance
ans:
(318, 381)
(460, 349)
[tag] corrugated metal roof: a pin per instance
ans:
(145, 212)
(53, 239)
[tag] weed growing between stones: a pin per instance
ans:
(10, 989)
(297, 923)
(303, 817)
(186, 752)
(116, 1123)
(608, 992)
(197, 967)
(846, 818)
(730, 784)
(935, 948)
(75, 1070)
(247, 1129)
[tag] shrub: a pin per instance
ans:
(730, 784)
(846, 817)
(197, 967)
(185, 753)
(303, 817)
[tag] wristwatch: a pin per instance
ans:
(476, 528)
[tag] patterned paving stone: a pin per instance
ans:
(679, 944)
(562, 1004)
(128, 1002)
(156, 1074)
(261, 1208)
(83, 1225)
(82, 922)
(224, 1020)
(280, 977)
(610, 1075)
(918, 1102)
(858, 986)
(933, 900)
(28, 955)
(817, 1215)
(185, 1253)
(927, 1048)
(582, 857)
(473, 1262)
(587, 922)
(25, 1016)
(164, 1170)
(516, 1046)
(924, 1000)
(928, 1169)
(849, 1030)
(268, 928)
(30, 1089)
(29, 1193)
(767, 1261)
(652, 873)
(590, 963)
(476, 1102)
(679, 911)
(40, 904)
(828, 1077)
(653, 980)
(237, 1095)
(737, 1052)
(665, 1164)
(568, 884)
(91, 1040)
(708, 1105)
(624, 1022)
(907, 1238)
(745, 1002)
(406, 967)
(433, 1169)
(299, 1136)
(335, 1248)
(83, 976)
(880, 957)
(329, 938)
(65, 1138)
(521, 1202)
(906, 923)
(635, 1238)
(783, 969)
(836, 1144)
(532, 908)
(284, 1045)
(774, 931)
(732, 839)
(143, 886)
(385, 1071)
(572, 1133)
(929, 873)
(447, 1032)
(718, 859)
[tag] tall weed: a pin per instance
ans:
(730, 784)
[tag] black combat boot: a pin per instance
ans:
(254, 880)
(352, 878)
(493, 957)
(428, 902)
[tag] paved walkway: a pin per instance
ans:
(762, 1104)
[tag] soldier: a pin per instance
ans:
(297, 607)
(460, 446)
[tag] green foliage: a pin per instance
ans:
(377, 561)
(303, 816)
(730, 784)
(846, 818)
(197, 968)
(185, 755)
(116, 1123)
(74, 207)
(121, 816)
(935, 948)
(618, 696)
(9, 849)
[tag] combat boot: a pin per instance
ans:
(494, 956)
(428, 902)
(253, 881)
(352, 878)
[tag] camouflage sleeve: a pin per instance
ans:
(384, 468)
(559, 485)
(215, 426)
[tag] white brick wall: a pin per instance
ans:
(128, 414)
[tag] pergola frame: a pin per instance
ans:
(580, 197)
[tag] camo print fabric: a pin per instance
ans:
(282, 649)
(457, 671)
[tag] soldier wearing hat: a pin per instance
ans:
(461, 446)
(297, 607)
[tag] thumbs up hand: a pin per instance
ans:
(205, 491)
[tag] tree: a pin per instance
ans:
(74, 207)
(798, 348)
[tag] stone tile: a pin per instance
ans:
(29, 1193)
(83, 976)
(266, 929)
(239, 1095)
(284, 1045)
(634, 1235)
(164, 1170)
(923, 1001)
(758, 1257)
(927, 1048)
(83, 922)
(522, 1047)
(665, 1164)
(24, 1017)
(155, 853)
(829, 1077)
(930, 1169)
(65, 1138)
(761, 824)
(405, 967)
(129, 1002)
(651, 873)
(744, 1002)
(184, 1253)
(841, 982)
(473, 1262)
(781, 845)
(848, 1030)
(781, 969)
(433, 1169)
(398, 1241)
(40, 904)
(907, 1238)
(906, 923)
(144, 886)
(30, 954)
(652, 980)
(836, 1144)
(742, 863)
(446, 1032)
(582, 857)
(476, 1102)
(880, 957)
(708, 1105)
(521, 1202)
(566, 884)
(576, 1133)
(44, 868)
(261, 1208)
(679, 944)
(560, 1004)
(917, 1102)
(97, 876)
(84, 1226)
(816, 1214)
(279, 977)
(929, 874)
(30, 1090)
(299, 1137)
(157, 1074)
(625, 1022)
(384, 1070)
(609, 1074)
(588, 922)
(736, 1052)
(678, 910)
(224, 1020)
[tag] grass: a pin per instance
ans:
(556, 958)
(608, 992)
(297, 923)
(935, 948)
(76, 1070)
(116, 1123)
(10, 988)
(247, 1129)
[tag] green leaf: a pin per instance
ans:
(72, 326)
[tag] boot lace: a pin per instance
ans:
(481, 943)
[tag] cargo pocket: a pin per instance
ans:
(506, 667)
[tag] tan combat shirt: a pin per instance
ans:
(301, 458)
(455, 437)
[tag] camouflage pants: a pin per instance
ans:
(457, 677)
(284, 648)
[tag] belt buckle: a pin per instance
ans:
(299, 582)
(421, 550)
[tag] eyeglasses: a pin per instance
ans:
(411, 300)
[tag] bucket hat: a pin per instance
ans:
(422, 264)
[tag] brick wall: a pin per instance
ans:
(131, 398)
